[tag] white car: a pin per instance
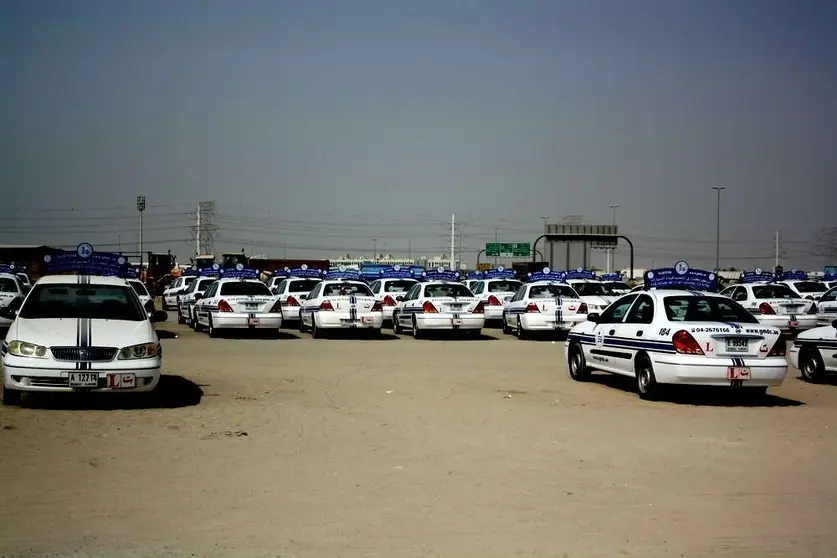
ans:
(544, 304)
(12, 294)
(814, 352)
(827, 307)
(668, 336)
(341, 301)
(800, 284)
(24, 279)
(179, 286)
(595, 294)
(392, 283)
(441, 303)
(293, 290)
(616, 283)
(496, 289)
(186, 299)
(237, 300)
(80, 332)
(470, 283)
(142, 292)
(774, 304)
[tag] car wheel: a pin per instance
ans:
(213, 331)
(646, 382)
(302, 327)
(811, 366)
(396, 327)
(11, 397)
(577, 364)
(521, 333)
(417, 334)
(315, 331)
(180, 318)
(506, 329)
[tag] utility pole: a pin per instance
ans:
(452, 241)
(118, 244)
(611, 252)
(496, 237)
(141, 210)
(375, 250)
(776, 263)
(718, 189)
(203, 229)
(198, 231)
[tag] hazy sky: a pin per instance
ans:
(318, 125)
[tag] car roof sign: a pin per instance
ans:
(85, 260)
(757, 276)
(579, 273)
(240, 272)
(681, 276)
(440, 275)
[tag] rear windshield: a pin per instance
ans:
(188, 280)
(774, 291)
(139, 288)
(303, 285)
(8, 285)
(245, 288)
(96, 302)
(551, 291)
(809, 287)
(706, 309)
(202, 285)
(401, 286)
(592, 289)
(346, 289)
(503, 286)
(447, 290)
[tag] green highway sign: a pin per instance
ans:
(508, 250)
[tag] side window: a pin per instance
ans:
(315, 292)
(210, 292)
(413, 294)
(375, 287)
(642, 312)
(519, 294)
(830, 296)
(728, 292)
(280, 287)
(478, 288)
(739, 294)
(616, 311)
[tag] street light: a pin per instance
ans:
(141, 210)
(611, 256)
(375, 250)
(718, 229)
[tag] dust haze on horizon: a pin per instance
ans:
(318, 126)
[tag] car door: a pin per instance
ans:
(827, 308)
(636, 329)
(404, 307)
(202, 306)
(606, 351)
(306, 315)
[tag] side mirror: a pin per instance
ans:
(159, 316)
(594, 317)
(834, 324)
(508, 299)
(197, 296)
(399, 298)
(8, 313)
(303, 297)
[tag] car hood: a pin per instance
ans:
(824, 333)
(71, 332)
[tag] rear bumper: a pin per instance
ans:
(290, 313)
(493, 312)
(234, 320)
(546, 322)
(342, 320)
(388, 310)
(446, 321)
(686, 370)
(804, 321)
(57, 380)
(825, 318)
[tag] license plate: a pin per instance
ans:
(793, 323)
(738, 373)
(251, 306)
(348, 322)
(83, 379)
(737, 345)
(367, 319)
(253, 321)
(122, 381)
(456, 321)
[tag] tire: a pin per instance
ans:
(577, 364)
(811, 366)
(196, 325)
(180, 319)
(11, 397)
(506, 329)
(521, 333)
(213, 331)
(396, 328)
(302, 327)
(646, 381)
(315, 331)
(417, 334)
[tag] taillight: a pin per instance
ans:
(685, 344)
(765, 308)
(377, 307)
(292, 301)
(779, 349)
(813, 309)
(326, 306)
(583, 308)
(494, 301)
(389, 301)
(532, 308)
(224, 306)
(479, 308)
(276, 308)
(428, 308)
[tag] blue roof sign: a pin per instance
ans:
(681, 276)
(86, 261)
(612, 277)
(546, 275)
(580, 273)
(829, 277)
(757, 276)
(240, 272)
(395, 272)
(794, 275)
(302, 271)
(190, 272)
(440, 275)
(342, 273)
(9, 268)
(499, 273)
(209, 272)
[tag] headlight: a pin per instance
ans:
(145, 350)
(24, 349)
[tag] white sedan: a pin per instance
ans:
(800, 284)
(545, 304)
(237, 301)
(80, 332)
(341, 301)
(496, 289)
(392, 284)
(12, 294)
(775, 304)
(441, 303)
(616, 283)
(179, 286)
(186, 299)
(292, 292)
(595, 294)
(814, 352)
(678, 337)
(827, 307)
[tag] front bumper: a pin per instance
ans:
(697, 370)
(547, 322)
(235, 320)
(342, 320)
(446, 321)
(23, 378)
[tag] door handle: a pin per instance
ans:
(639, 333)
(611, 332)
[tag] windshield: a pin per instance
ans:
(139, 288)
(510, 286)
(809, 287)
(188, 280)
(201, 285)
(346, 289)
(706, 309)
(8, 285)
(592, 289)
(446, 290)
(303, 285)
(96, 302)
(552, 291)
(245, 288)
(774, 291)
(401, 286)
(23, 277)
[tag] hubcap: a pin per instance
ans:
(576, 364)
(644, 379)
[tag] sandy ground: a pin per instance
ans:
(350, 447)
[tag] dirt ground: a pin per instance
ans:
(348, 447)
